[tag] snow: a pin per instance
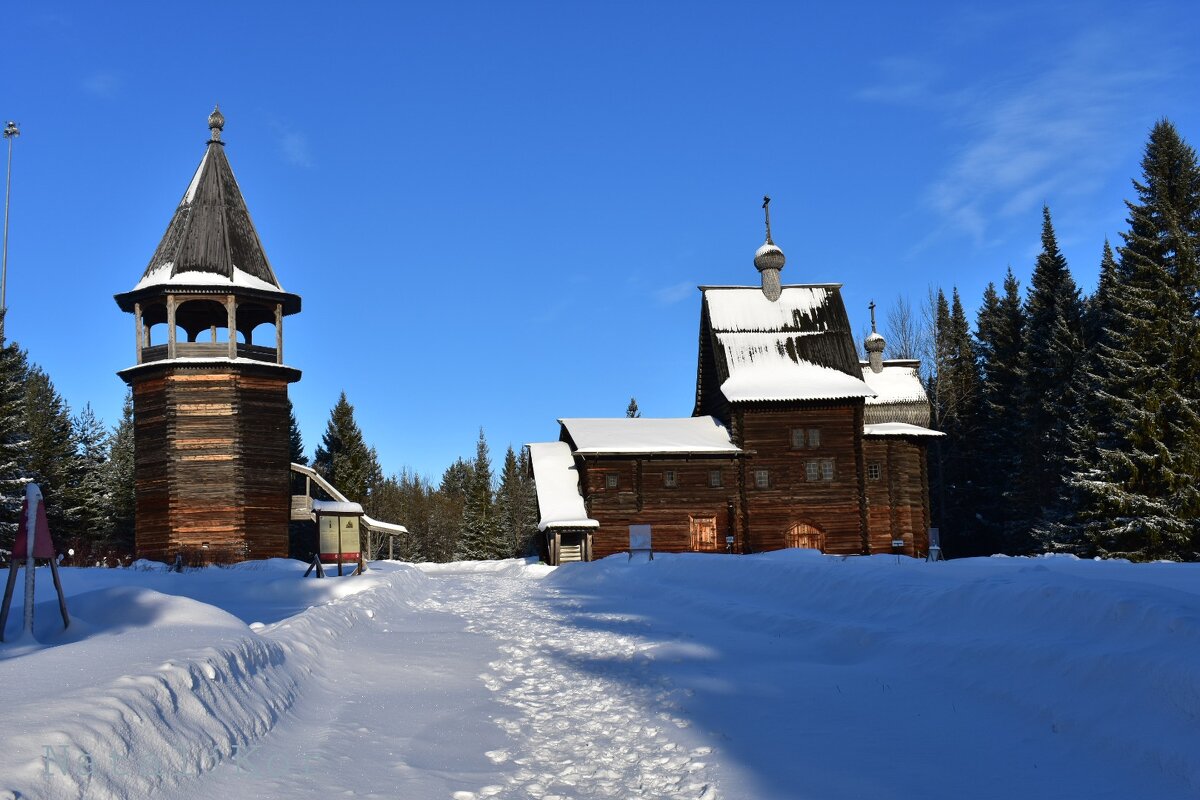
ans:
(336, 507)
(782, 675)
(164, 275)
(894, 384)
(762, 368)
(898, 429)
(767, 247)
(746, 308)
(557, 483)
(649, 435)
(190, 194)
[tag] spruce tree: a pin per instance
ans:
(955, 402)
(525, 513)
(1143, 495)
(343, 457)
(1052, 349)
(295, 440)
(50, 457)
(632, 411)
(506, 505)
(479, 520)
(1000, 337)
(92, 446)
(13, 439)
(119, 487)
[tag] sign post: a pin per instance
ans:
(32, 542)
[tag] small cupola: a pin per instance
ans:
(874, 344)
(769, 259)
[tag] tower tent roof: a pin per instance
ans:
(211, 239)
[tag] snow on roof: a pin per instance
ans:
(748, 309)
(767, 366)
(644, 435)
(898, 429)
(557, 483)
(162, 276)
(336, 507)
(897, 383)
(190, 194)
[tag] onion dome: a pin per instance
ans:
(874, 343)
(216, 122)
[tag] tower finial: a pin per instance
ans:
(871, 306)
(874, 344)
(216, 123)
(767, 214)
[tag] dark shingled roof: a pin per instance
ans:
(211, 230)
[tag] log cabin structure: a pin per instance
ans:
(793, 441)
(210, 391)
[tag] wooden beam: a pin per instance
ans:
(138, 330)
(231, 310)
(279, 333)
(170, 326)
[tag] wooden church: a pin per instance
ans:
(793, 441)
(210, 388)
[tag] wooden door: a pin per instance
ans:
(805, 536)
(704, 533)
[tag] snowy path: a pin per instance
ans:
(587, 718)
(786, 676)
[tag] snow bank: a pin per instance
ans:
(147, 687)
(1058, 671)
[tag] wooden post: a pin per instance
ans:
(170, 326)
(62, 600)
(8, 594)
(231, 311)
(137, 329)
(391, 541)
(212, 330)
(279, 333)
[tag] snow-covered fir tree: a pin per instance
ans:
(50, 455)
(1142, 497)
(479, 537)
(13, 438)
(1000, 332)
(343, 457)
(1052, 348)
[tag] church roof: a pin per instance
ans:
(211, 243)
(641, 435)
(899, 394)
(796, 348)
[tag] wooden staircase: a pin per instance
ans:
(570, 552)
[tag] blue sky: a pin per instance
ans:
(497, 213)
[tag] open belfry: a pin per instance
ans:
(210, 389)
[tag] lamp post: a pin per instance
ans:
(11, 131)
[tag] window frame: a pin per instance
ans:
(716, 478)
(874, 471)
(670, 479)
(611, 480)
(765, 482)
(812, 470)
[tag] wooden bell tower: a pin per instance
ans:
(210, 390)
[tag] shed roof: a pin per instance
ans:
(557, 482)
(620, 435)
(898, 429)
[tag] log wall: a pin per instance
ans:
(211, 463)
(898, 501)
(642, 497)
(836, 507)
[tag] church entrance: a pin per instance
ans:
(805, 536)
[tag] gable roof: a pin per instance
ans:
(625, 435)
(796, 348)
(557, 484)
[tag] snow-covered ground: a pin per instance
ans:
(783, 675)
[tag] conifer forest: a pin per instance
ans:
(1072, 421)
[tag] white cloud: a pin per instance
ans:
(1053, 130)
(669, 295)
